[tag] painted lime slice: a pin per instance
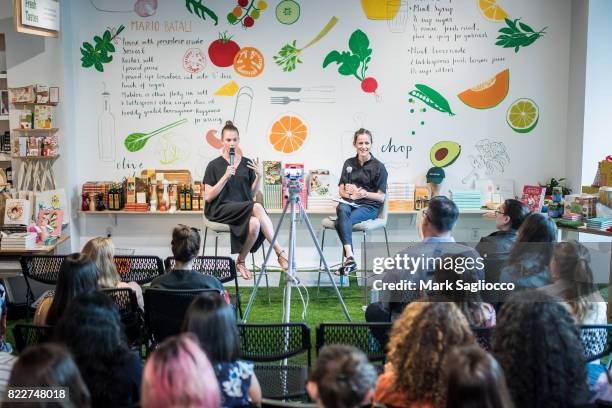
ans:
(523, 115)
(287, 12)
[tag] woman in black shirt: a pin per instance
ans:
(229, 191)
(364, 183)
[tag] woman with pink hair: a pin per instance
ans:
(178, 374)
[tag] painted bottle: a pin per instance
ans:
(106, 131)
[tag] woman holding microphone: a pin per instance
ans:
(363, 183)
(230, 183)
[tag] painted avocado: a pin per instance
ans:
(435, 175)
(444, 153)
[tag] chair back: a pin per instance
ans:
(30, 335)
(165, 310)
(42, 268)
(368, 337)
(138, 268)
(383, 211)
(596, 341)
(131, 316)
(278, 351)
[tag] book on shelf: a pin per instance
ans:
(42, 93)
(19, 240)
(43, 117)
(318, 183)
(273, 184)
(50, 220)
(533, 197)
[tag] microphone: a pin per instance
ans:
(232, 154)
(349, 170)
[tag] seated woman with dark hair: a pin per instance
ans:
(91, 329)
(495, 248)
(459, 267)
(214, 324)
(527, 265)
(474, 379)
(424, 333)
(342, 377)
(185, 248)
(77, 275)
(537, 343)
(48, 366)
(178, 374)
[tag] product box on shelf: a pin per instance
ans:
(24, 94)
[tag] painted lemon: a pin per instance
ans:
(491, 10)
(228, 89)
(523, 115)
(380, 9)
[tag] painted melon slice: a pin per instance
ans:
(487, 94)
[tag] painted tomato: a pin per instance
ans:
(222, 51)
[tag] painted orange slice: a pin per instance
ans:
(288, 134)
(249, 62)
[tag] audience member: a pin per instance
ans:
(185, 247)
(77, 275)
(102, 251)
(214, 324)
(48, 366)
(537, 343)
(439, 220)
(424, 333)
(474, 379)
(178, 374)
(572, 276)
(4, 346)
(527, 265)
(342, 378)
(452, 269)
(91, 329)
(7, 361)
(495, 248)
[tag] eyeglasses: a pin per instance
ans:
(499, 212)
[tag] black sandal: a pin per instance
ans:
(347, 267)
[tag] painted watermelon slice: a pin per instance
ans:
(487, 94)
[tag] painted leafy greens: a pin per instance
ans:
(96, 56)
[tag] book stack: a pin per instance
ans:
(273, 185)
(467, 199)
(19, 241)
(572, 216)
(400, 196)
(599, 223)
(533, 197)
(319, 196)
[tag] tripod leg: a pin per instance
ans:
(329, 275)
(320, 262)
(264, 266)
(291, 272)
(365, 269)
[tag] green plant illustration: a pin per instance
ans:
(517, 35)
(355, 62)
(432, 98)
(99, 55)
(137, 141)
(288, 56)
(196, 7)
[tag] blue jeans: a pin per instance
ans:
(349, 216)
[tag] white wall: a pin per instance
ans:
(597, 141)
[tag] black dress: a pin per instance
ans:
(234, 204)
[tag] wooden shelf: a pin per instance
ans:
(324, 211)
(35, 131)
(107, 212)
(36, 157)
(35, 103)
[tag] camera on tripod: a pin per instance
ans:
(294, 177)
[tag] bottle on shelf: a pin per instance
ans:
(188, 198)
(181, 197)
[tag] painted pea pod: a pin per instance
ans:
(432, 98)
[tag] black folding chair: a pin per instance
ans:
(367, 337)
(221, 267)
(30, 335)
(139, 268)
(279, 351)
(40, 268)
(131, 315)
(165, 310)
(596, 341)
